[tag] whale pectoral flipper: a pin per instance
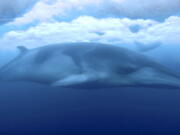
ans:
(72, 80)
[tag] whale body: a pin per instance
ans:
(90, 65)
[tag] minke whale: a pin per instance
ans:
(87, 65)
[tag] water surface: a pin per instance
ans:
(33, 109)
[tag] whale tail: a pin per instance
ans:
(23, 50)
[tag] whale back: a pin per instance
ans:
(82, 63)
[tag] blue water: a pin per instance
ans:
(32, 109)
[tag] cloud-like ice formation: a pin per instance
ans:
(151, 9)
(154, 9)
(90, 29)
(10, 9)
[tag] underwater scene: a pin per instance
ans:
(89, 67)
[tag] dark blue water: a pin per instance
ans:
(31, 109)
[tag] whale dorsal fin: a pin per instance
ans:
(22, 49)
